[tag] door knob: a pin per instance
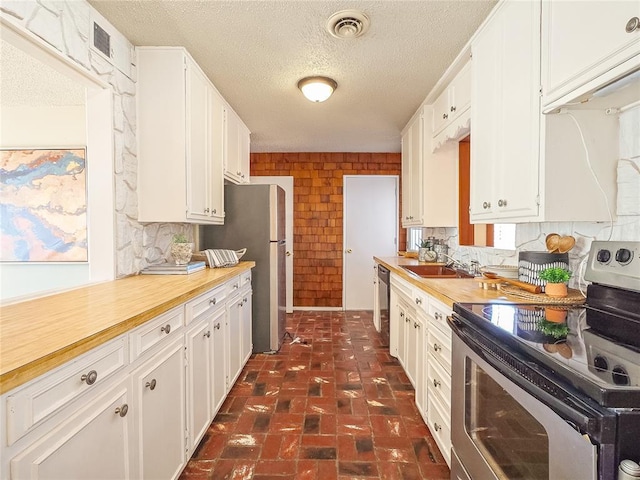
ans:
(288, 254)
(349, 250)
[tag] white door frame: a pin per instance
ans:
(368, 279)
(286, 182)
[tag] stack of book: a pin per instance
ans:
(173, 269)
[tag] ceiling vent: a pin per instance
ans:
(348, 24)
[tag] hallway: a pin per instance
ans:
(334, 406)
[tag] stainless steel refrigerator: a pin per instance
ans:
(255, 220)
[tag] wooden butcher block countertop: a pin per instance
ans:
(447, 290)
(40, 334)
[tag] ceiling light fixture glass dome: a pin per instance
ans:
(317, 89)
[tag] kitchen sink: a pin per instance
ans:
(436, 271)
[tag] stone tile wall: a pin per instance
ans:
(65, 25)
(318, 215)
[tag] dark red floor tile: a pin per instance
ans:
(337, 407)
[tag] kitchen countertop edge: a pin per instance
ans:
(23, 356)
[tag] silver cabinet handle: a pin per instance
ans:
(89, 378)
(208, 334)
(241, 303)
(212, 301)
(217, 326)
(206, 210)
(436, 383)
(445, 116)
(407, 320)
(151, 385)
(453, 108)
(215, 211)
(401, 314)
(438, 316)
(437, 347)
(502, 203)
(166, 329)
(632, 25)
(418, 301)
(437, 427)
(122, 411)
(486, 205)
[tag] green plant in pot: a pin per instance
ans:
(181, 249)
(556, 279)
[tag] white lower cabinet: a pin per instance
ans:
(109, 415)
(160, 411)
(93, 442)
(421, 340)
(199, 346)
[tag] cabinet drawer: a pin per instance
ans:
(439, 312)
(245, 278)
(438, 381)
(31, 405)
(404, 288)
(206, 302)
(155, 331)
(440, 347)
(440, 427)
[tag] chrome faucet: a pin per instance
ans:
(456, 263)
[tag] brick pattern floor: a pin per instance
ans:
(334, 406)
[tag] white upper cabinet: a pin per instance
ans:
(525, 166)
(237, 153)
(429, 188)
(451, 115)
(587, 44)
(181, 136)
(505, 114)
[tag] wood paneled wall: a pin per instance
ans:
(318, 215)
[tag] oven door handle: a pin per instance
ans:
(584, 417)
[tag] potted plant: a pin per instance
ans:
(556, 279)
(181, 249)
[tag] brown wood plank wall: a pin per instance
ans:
(318, 215)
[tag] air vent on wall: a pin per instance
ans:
(101, 40)
(348, 24)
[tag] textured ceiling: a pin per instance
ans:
(256, 51)
(25, 81)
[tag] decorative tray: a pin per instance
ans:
(574, 297)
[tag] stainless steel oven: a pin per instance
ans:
(384, 296)
(540, 397)
(502, 430)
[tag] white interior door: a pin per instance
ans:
(287, 185)
(370, 228)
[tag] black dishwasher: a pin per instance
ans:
(383, 303)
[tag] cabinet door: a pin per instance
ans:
(506, 115)
(584, 39)
(419, 333)
(245, 328)
(160, 387)
(406, 178)
(216, 165)
(244, 148)
(199, 343)
(461, 91)
(234, 336)
(232, 146)
(219, 359)
(410, 348)
(198, 149)
(441, 111)
(412, 173)
(485, 95)
(402, 328)
(519, 128)
(76, 448)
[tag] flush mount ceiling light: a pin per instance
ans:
(317, 89)
(348, 24)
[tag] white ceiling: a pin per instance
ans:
(256, 51)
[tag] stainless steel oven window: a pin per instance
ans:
(510, 439)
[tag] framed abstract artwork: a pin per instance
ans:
(43, 202)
